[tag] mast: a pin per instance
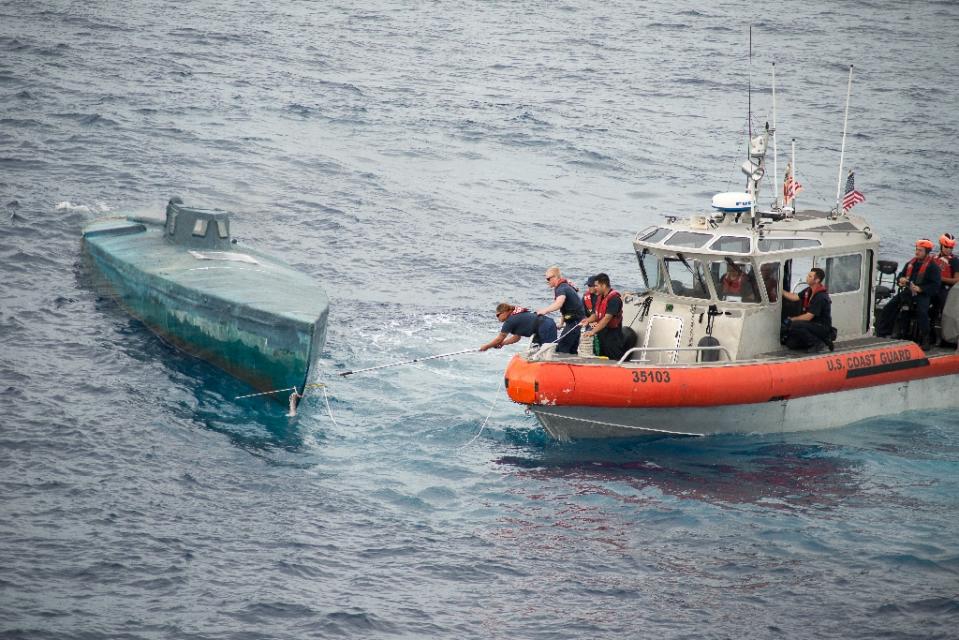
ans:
(842, 151)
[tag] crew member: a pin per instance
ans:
(565, 300)
(948, 269)
(589, 346)
(608, 316)
(811, 329)
(919, 280)
(518, 323)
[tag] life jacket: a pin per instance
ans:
(732, 285)
(564, 280)
(588, 303)
(922, 268)
(601, 304)
(945, 265)
(810, 293)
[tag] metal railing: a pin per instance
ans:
(676, 350)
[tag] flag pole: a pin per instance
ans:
(842, 151)
(775, 153)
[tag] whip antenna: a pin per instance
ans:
(842, 151)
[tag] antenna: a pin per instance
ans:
(842, 151)
(775, 152)
(749, 93)
(795, 182)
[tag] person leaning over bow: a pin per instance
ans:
(920, 280)
(565, 300)
(519, 323)
(811, 329)
(608, 316)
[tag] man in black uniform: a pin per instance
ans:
(811, 329)
(566, 300)
(518, 323)
(608, 316)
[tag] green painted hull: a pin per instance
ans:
(260, 321)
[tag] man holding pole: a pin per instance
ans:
(566, 300)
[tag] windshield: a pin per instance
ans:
(686, 277)
(734, 280)
(653, 275)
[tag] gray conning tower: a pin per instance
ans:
(192, 227)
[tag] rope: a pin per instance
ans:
(483, 426)
(265, 393)
(624, 426)
(329, 411)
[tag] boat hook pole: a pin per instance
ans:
(414, 360)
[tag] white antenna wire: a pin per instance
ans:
(776, 187)
(794, 179)
(842, 151)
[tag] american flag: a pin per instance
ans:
(790, 187)
(852, 197)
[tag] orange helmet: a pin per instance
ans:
(947, 240)
(925, 244)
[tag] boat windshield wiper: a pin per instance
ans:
(642, 267)
(695, 272)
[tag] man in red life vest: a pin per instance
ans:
(811, 329)
(608, 318)
(565, 300)
(919, 280)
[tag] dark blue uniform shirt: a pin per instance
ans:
(572, 308)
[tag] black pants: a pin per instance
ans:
(569, 343)
(612, 343)
(803, 334)
(887, 319)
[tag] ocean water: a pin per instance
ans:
(424, 161)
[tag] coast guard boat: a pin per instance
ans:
(709, 361)
(241, 310)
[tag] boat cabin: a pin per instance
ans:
(193, 227)
(714, 282)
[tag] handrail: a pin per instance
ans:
(675, 349)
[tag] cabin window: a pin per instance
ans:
(199, 228)
(687, 277)
(653, 275)
(843, 273)
(221, 229)
(734, 280)
(795, 272)
(656, 235)
(784, 244)
(688, 239)
(731, 244)
(770, 275)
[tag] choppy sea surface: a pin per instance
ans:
(425, 160)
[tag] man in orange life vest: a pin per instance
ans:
(565, 300)
(948, 268)
(608, 316)
(811, 329)
(920, 279)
